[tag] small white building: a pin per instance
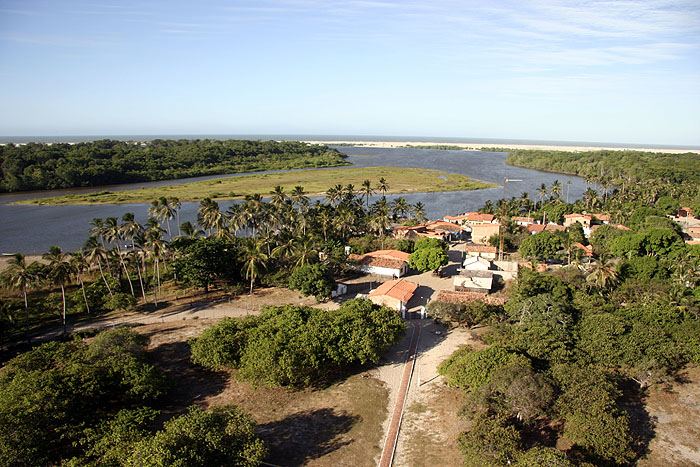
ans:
(476, 263)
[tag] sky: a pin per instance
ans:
(600, 71)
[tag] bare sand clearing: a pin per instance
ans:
(477, 146)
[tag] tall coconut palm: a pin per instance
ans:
(419, 212)
(114, 235)
(278, 197)
(349, 193)
(254, 260)
(129, 227)
(97, 254)
(334, 194)
(399, 208)
(383, 186)
(367, 191)
(602, 274)
(156, 247)
(175, 205)
(555, 190)
(298, 196)
(235, 218)
(305, 251)
(209, 216)
(188, 229)
(97, 228)
(542, 192)
(80, 265)
(21, 277)
(59, 273)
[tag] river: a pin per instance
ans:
(33, 229)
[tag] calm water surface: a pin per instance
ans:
(33, 229)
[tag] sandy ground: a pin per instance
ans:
(476, 146)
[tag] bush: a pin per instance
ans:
(224, 435)
(312, 279)
(120, 301)
(471, 369)
(290, 345)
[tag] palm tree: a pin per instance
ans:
(349, 193)
(98, 229)
(114, 235)
(399, 208)
(305, 251)
(189, 230)
(21, 276)
(156, 249)
(254, 260)
(602, 274)
(367, 191)
(419, 211)
(175, 205)
(59, 273)
(298, 196)
(382, 186)
(162, 209)
(555, 190)
(208, 215)
(333, 194)
(278, 197)
(96, 254)
(542, 193)
(130, 228)
(80, 265)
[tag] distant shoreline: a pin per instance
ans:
(477, 146)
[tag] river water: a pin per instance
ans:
(33, 229)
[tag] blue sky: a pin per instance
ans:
(609, 71)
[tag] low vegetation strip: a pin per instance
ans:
(315, 182)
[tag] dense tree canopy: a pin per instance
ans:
(37, 166)
(296, 345)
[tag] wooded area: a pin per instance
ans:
(39, 166)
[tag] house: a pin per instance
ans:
(537, 228)
(571, 219)
(449, 296)
(394, 294)
(434, 229)
(392, 263)
(685, 212)
(476, 283)
(587, 250)
(694, 233)
(482, 232)
(603, 218)
(488, 252)
(524, 221)
(470, 218)
(476, 263)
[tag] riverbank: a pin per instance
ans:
(504, 146)
(315, 183)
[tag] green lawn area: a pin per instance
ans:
(315, 182)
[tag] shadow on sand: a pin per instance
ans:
(306, 435)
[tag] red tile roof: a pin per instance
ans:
(398, 289)
(480, 249)
(449, 296)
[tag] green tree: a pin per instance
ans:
(427, 259)
(312, 279)
(59, 273)
(205, 261)
(21, 276)
(471, 369)
(543, 245)
(223, 435)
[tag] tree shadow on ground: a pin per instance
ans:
(642, 425)
(306, 435)
(191, 384)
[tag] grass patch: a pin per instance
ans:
(315, 182)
